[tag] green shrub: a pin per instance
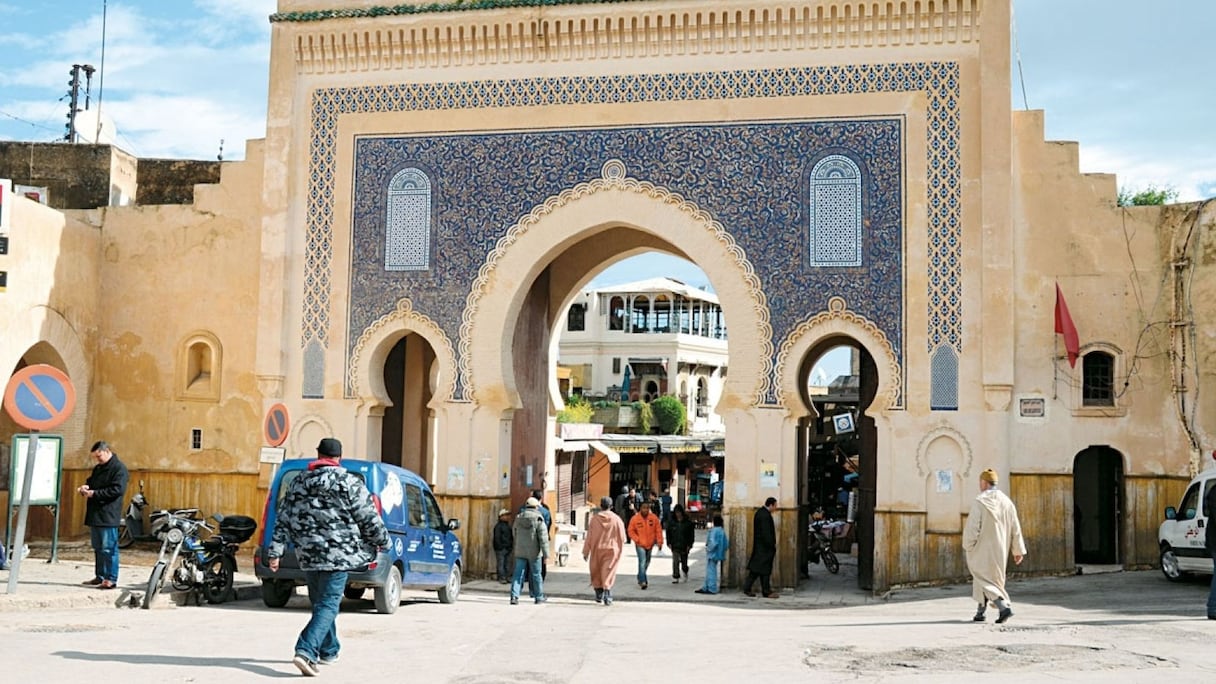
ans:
(669, 413)
(645, 416)
(578, 410)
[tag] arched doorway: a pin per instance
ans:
(406, 428)
(838, 449)
(1097, 491)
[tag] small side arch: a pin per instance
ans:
(364, 376)
(839, 322)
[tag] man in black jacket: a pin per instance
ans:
(764, 550)
(103, 492)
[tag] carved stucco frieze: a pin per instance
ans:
(403, 319)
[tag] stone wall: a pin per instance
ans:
(172, 181)
(77, 176)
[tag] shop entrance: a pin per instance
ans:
(837, 443)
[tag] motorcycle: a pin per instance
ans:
(194, 563)
(136, 524)
(819, 547)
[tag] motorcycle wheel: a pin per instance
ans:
(217, 579)
(124, 537)
(830, 562)
(155, 581)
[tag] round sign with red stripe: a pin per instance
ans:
(39, 397)
(275, 429)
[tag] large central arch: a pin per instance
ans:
(579, 214)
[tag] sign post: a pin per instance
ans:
(37, 398)
(275, 429)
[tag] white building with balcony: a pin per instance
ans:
(645, 339)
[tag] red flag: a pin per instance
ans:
(1065, 327)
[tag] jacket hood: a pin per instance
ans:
(991, 500)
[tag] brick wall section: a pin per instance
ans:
(172, 181)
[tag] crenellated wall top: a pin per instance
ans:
(450, 34)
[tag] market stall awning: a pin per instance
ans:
(584, 444)
(609, 452)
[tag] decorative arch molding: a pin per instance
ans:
(838, 321)
(943, 430)
(301, 443)
(623, 201)
(201, 383)
(364, 377)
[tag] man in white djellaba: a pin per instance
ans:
(992, 533)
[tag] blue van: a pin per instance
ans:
(423, 553)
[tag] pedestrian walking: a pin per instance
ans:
(603, 549)
(626, 505)
(531, 548)
(503, 542)
(1209, 538)
(646, 533)
(764, 550)
(991, 534)
(716, 545)
(681, 534)
(332, 520)
(103, 492)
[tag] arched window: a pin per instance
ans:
(407, 235)
(616, 313)
(835, 212)
(943, 380)
(1097, 379)
(641, 313)
(575, 318)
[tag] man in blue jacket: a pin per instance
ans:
(330, 517)
(103, 492)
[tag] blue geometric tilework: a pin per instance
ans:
(749, 177)
(836, 212)
(938, 80)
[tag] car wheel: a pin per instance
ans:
(451, 591)
(1169, 565)
(388, 597)
(276, 593)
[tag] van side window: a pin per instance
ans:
(434, 518)
(413, 505)
(1190, 503)
(1207, 487)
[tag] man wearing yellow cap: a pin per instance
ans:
(992, 533)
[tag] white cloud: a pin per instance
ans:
(1193, 176)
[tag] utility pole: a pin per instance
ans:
(74, 96)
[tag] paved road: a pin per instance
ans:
(1122, 627)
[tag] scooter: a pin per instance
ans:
(192, 563)
(136, 525)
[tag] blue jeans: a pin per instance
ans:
(105, 552)
(1212, 591)
(536, 589)
(643, 563)
(711, 575)
(320, 636)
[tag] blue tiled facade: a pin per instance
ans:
(438, 293)
(752, 178)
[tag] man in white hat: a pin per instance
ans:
(531, 548)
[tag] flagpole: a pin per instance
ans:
(1055, 367)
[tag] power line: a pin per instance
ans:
(26, 121)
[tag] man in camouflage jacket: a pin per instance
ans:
(329, 515)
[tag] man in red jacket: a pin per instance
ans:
(646, 532)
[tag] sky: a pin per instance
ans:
(1130, 80)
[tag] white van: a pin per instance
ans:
(1182, 534)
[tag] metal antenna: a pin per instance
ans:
(1017, 51)
(101, 77)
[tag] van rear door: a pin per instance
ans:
(417, 555)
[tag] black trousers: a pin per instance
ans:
(765, 586)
